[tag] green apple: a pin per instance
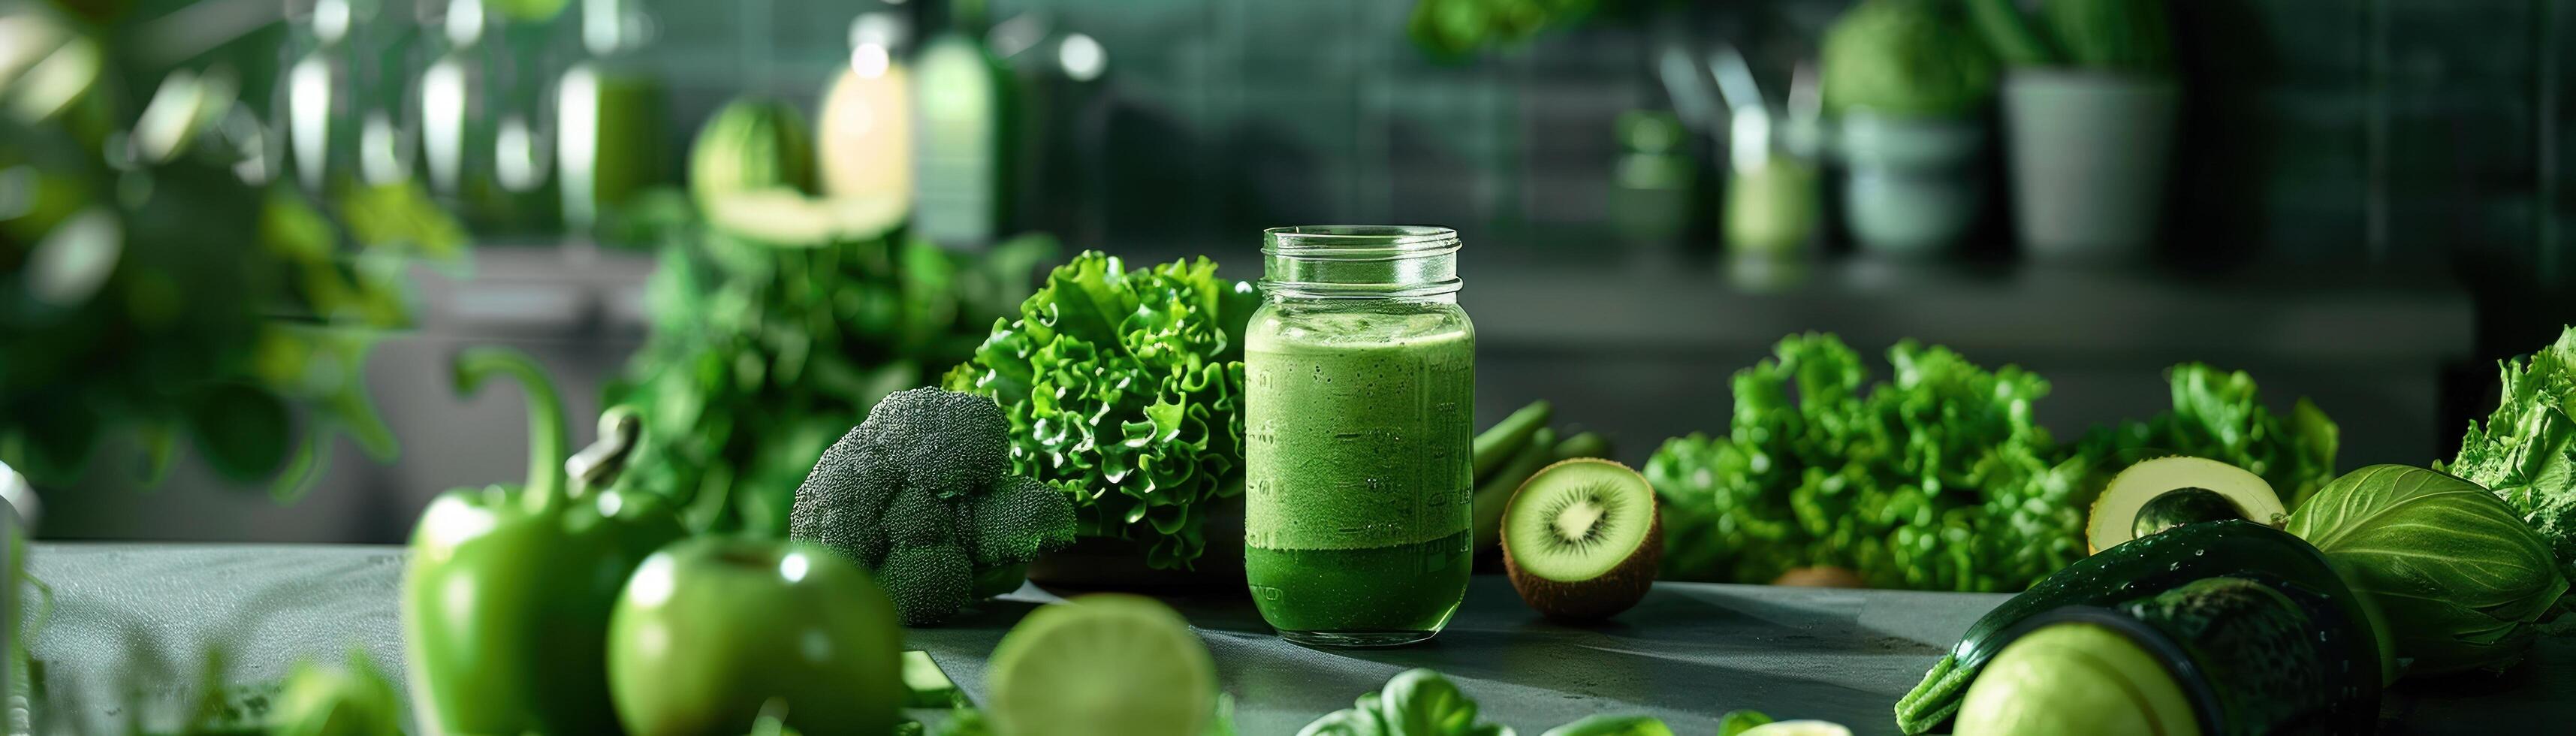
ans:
(713, 632)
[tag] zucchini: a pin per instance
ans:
(2229, 655)
(2135, 569)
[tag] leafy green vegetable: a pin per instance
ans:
(2217, 415)
(1739, 721)
(2460, 579)
(1458, 28)
(1613, 725)
(355, 700)
(2526, 451)
(918, 495)
(1938, 479)
(762, 352)
(1905, 58)
(1416, 702)
(1125, 388)
(2121, 36)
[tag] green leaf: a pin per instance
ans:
(1613, 725)
(1739, 721)
(2456, 573)
(243, 431)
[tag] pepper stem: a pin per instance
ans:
(546, 434)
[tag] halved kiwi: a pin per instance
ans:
(1582, 539)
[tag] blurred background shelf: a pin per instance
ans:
(1638, 347)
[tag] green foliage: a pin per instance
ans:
(355, 700)
(2118, 36)
(2217, 415)
(1125, 388)
(1739, 721)
(150, 295)
(1613, 725)
(2526, 451)
(762, 351)
(919, 494)
(1938, 479)
(1905, 58)
(2458, 575)
(1416, 702)
(1459, 28)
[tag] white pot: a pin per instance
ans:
(1915, 185)
(2090, 153)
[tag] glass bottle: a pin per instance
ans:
(1359, 383)
(964, 134)
(609, 114)
(319, 105)
(865, 141)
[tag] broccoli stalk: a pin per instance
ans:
(920, 494)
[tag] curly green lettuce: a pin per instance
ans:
(2217, 415)
(2525, 452)
(1125, 388)
(1938, 480)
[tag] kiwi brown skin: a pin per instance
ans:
(1821, 576)
(1601, 597)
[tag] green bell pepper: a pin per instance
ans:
(508, 591)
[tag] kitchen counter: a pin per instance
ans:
(1688, 654)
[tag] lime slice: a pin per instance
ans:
(1102, 665)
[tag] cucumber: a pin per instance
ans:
(1504, 440)
(2135, 569)
(1496, 492)
(1588, 444)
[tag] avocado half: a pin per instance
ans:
(2166, 492)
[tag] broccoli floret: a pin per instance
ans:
(948, 443)
(918, 518)
(918, 495)
(841, 502)
(1017, 520)
(927, 584)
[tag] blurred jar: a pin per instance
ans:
(1654, 182)
(865, 137)
(479, 145)
(317, 107)
(610, 110)
(386, 48)
(1772, 190)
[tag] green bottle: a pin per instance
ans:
(609, 113)
(965, 128)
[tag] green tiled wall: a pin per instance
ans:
(2391, 131)
(2317, 131)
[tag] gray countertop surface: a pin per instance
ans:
(1688, 653)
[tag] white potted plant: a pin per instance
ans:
(1907, 85)
(2090, 105)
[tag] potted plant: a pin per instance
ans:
(2089, 113)
(1907, 84)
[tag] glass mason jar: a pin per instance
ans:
(1359, 383)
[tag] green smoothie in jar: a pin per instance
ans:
(1358, 394)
